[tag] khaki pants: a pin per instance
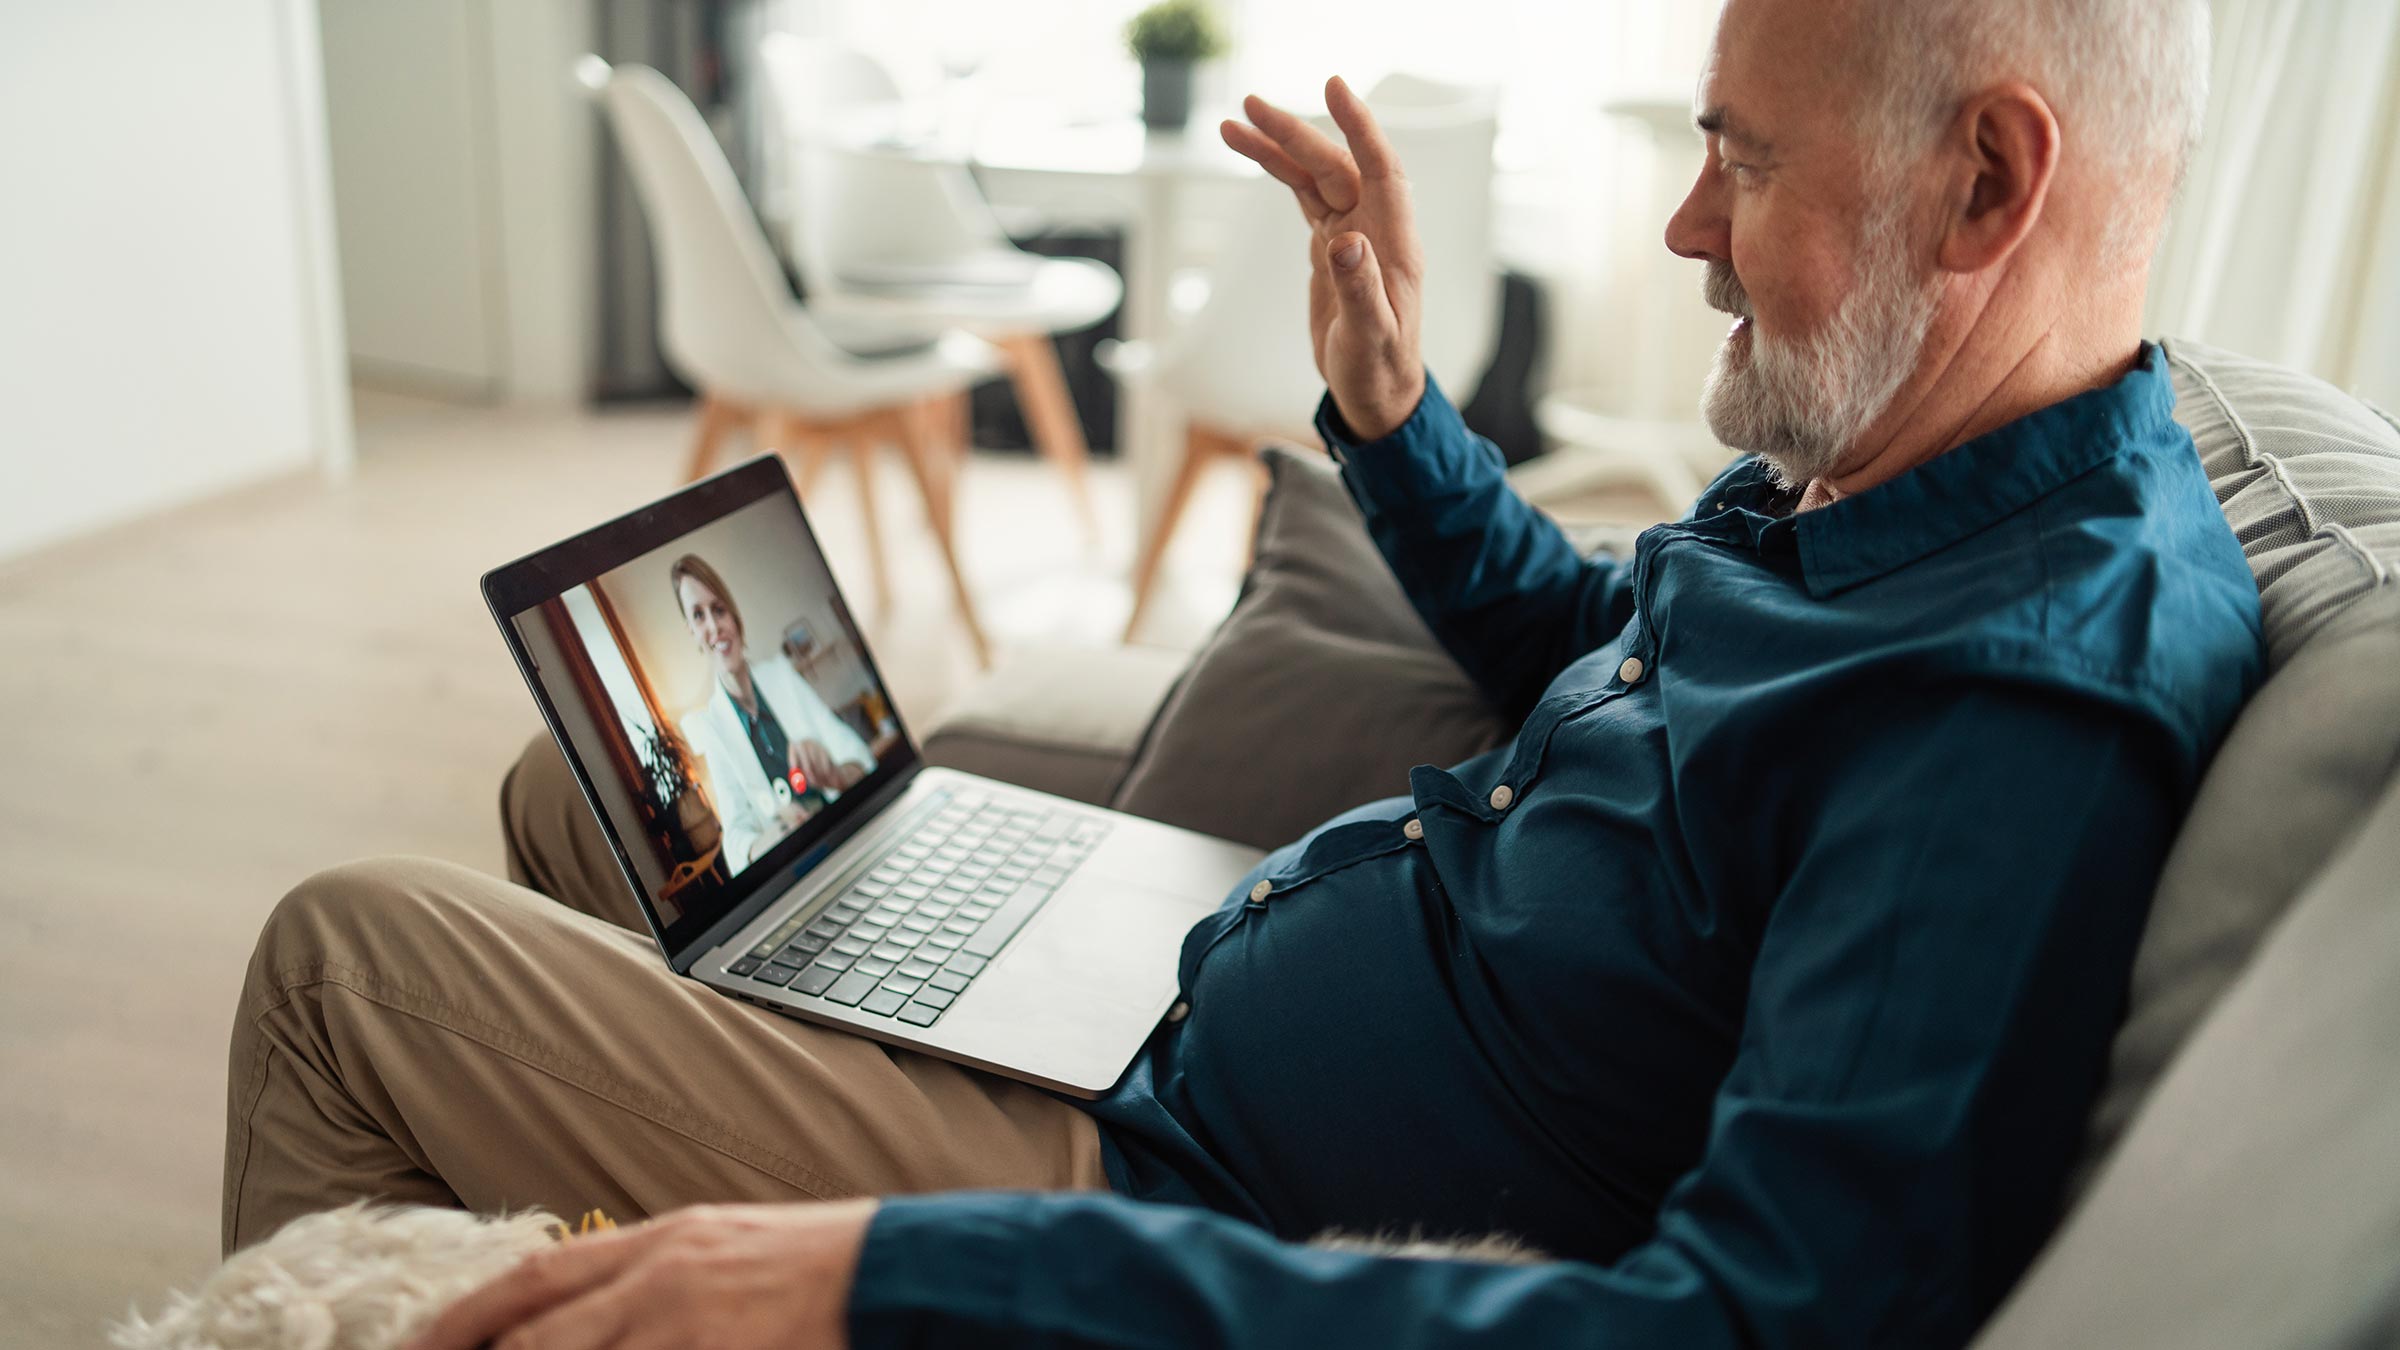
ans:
(417, 1031)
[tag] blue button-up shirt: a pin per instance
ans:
(1765, 978)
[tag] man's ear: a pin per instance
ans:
(2005, 146)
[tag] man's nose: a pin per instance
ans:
(1699, 229)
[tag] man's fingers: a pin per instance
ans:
(533, 1284)
(1254, 144)
(1329, 165)
(1368, 149)
(599, 1317)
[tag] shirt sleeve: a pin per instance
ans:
(1931, 1007)
(1497, 581)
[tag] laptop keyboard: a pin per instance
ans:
(907, 937)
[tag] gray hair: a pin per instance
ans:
(2128, 80)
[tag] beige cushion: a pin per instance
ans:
(1056, 719)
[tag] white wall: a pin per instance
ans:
(463, 156)
(166, 284)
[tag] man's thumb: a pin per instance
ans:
(1355, 276)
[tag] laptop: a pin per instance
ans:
(788, 844)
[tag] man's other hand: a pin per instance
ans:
(1366, 272)
(732, 1276)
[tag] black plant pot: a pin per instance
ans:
(1166, 94)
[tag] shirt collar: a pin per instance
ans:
(1971, 487)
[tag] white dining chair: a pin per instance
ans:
(898, 242)
(1240, 369)
(730, 327)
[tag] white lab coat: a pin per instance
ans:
(744, 795)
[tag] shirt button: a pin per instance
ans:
(1631, 671)
(1259, 892)
(1501, 797)
(1180, 1011)
(1414, 829)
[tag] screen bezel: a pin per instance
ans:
(515, 589)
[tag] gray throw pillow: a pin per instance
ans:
(1319, 692)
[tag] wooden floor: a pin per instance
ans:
(201, 709)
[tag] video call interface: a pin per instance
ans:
(718, 695)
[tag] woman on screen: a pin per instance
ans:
(775, 753)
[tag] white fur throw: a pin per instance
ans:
(363, 1277)
(369, 1277)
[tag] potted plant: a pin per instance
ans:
(691, 829)
(1169, 38)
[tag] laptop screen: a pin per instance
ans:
(709, 684)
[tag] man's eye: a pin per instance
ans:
(1743, 174)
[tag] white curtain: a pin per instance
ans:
(2286, 242)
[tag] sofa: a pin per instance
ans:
(2240, 1184)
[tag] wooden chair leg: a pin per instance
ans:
(1050, 415)
(947, 428)
(862, 463)
(1200, 445)
(717, 417)
(907, 426)
(801, 446)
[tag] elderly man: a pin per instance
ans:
(1764, 979)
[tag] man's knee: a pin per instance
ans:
(534, 787)
(359, 914)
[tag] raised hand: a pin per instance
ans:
(1366, 271)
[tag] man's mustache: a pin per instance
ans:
(1723, 291)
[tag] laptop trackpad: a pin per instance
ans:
(1078, 989)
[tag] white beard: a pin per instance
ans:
(1801, 405)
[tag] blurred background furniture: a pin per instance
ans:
(733, 330)
(903, 246)
(1239, 369)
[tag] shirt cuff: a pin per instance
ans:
(1421, 454)
(933, 1265)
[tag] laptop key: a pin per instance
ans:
(939, 998)
(998, 929)
(920, 1014)
(967, 963)
(918, 923)
(906, 939)
(960, 926)
(948, 942)
(851, 988)
(976, 912)
(743, 966)
(876, 966)
(776, 973)
(948, 981)
(816, 980)
(883, 1003)
(917, 968)
(853, 945)
(890, 950)
(834, 960)
(900, 985)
